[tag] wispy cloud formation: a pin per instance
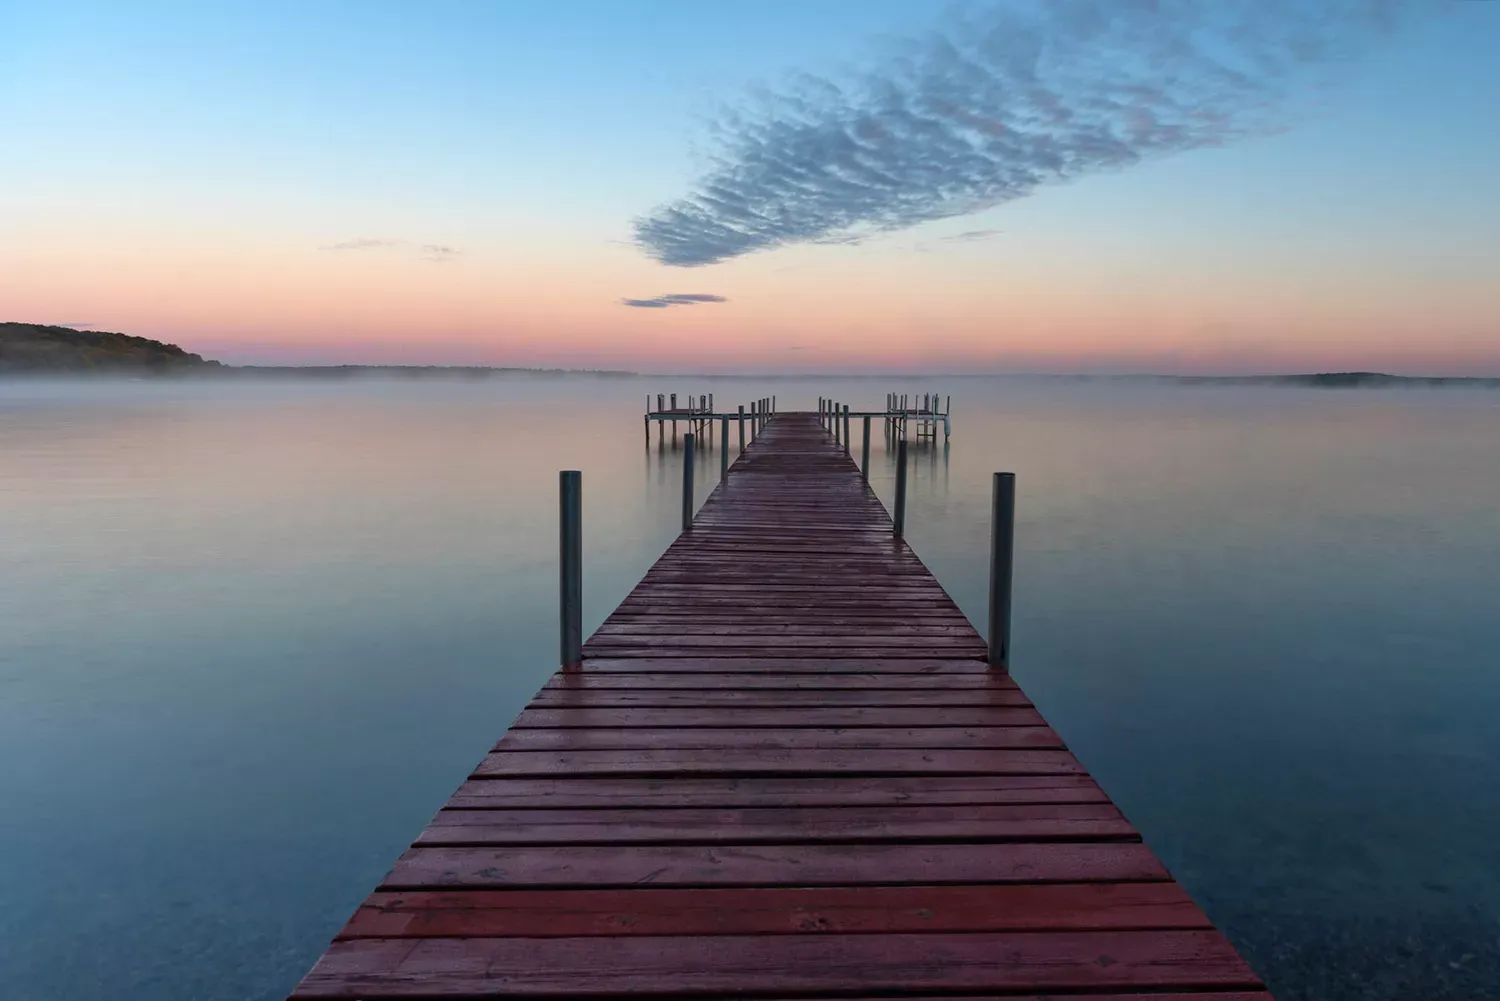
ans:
(972, 235)
(1014, 97)
(673, 299)
(438, 253)
(363, 243)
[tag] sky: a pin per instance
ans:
(1011, 186)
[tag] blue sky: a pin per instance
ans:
(179, 169)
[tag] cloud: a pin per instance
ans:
(363, 243)
(673, 299)
(970, 236)
(438, 253)
(1003, 101)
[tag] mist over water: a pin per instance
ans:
(256, 633)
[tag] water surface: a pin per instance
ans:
(255, 633)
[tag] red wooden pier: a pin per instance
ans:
(783, 770)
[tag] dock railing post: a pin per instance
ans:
(687, 481)
(900, 516)
(570, 564)
(1002, 561)
(742, 427)
(724, 451)
(864, 453)
(846, 429)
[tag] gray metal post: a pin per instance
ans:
(687, 481)
(864, 453)
(570, 564)
(1002, 560)
(742, 427)
(900, 515)
(724, 452)
(846, 429)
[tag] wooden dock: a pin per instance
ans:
(784, 770)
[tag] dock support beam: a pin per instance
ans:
(1002, 560)
(900, 516)
(688, 440)
(570, 568)
(864, 453)
(724, 452)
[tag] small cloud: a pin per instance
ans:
(363, 243)
(969, 236)
(673, 299)
(439, 253)
(76, 326)
(796, 347)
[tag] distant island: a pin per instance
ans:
(39, 349)
(32, 348)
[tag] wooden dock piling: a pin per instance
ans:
(783, 770)
(570, 564)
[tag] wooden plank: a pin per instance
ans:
(768, 738)
(682, 651)
(777, 911)
(668, 965)
(700, 663)
(868, 632)
(847, 825)
(684, 791)
(772, 865)
(589, 680)
(719, 697)
(801, 716)
(778, 761)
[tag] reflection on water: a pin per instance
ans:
(255, 634)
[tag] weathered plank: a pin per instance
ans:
(771, 865)
(675, 965)
(777, 911)
(767, 738)
(843, 824)
(676, 790)
(778, 761)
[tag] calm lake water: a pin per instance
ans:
(255, 634)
